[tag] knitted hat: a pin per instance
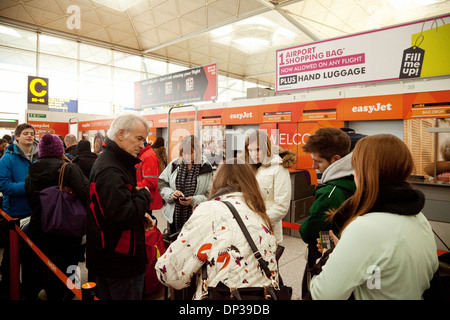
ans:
(83, 145)
(50, 146)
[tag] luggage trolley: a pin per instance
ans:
(183, 294)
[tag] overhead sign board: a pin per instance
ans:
(37, 91)
(62, 105)
(193, 85)
(419, 49)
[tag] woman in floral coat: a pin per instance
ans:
(212, 236)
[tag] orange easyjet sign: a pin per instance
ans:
(241, 115)
(372, 108)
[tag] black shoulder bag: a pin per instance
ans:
(275, 291)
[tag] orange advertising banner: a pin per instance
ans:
(103, 124)
(58, 128)
(371, 108)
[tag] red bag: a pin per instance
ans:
(154, 245)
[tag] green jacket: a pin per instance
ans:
(337, 185)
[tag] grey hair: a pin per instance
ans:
(70, 139)
(126, 122)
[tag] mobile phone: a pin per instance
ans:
(325, 240)
(182, 198)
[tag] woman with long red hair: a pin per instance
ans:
(387, 248)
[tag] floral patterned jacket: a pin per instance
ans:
(212, 236)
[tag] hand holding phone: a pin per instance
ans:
(185, 201)
(325, 241)
(177, 194)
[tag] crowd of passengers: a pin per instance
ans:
(384, 247)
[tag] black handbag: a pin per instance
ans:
(275, 291)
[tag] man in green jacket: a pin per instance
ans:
(329, 148)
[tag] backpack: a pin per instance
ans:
(154, 246)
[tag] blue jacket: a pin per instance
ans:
(13, 171)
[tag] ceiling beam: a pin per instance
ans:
(267, 3)
(300, 26)
(206, 29)
(209, 28)
(285, 14)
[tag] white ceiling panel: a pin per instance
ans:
(241, 36)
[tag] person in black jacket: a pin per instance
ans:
(118, 219)
(61, 250)
(71, 146)
(85, 157)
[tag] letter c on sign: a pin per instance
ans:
(33, 87)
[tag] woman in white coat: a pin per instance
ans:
(270, 166)
(212, 236)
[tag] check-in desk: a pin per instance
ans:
(437, 199)
(302, 198)
(437, 209)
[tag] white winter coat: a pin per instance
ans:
(212, 234)
(275, 184)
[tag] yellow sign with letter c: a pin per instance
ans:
(33, 87)
(38, 91)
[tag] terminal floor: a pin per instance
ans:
(292, 264)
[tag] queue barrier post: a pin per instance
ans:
(14, 260)
(88, 291)
(14, 233)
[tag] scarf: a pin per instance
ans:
(396, 198)
(186, 182)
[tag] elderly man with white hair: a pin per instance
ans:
(118, 219)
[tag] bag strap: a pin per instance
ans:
(61, 175)
(263, 263)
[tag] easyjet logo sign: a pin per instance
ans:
(240, 115)
(372, 108)
(243, 115)
(386, 107)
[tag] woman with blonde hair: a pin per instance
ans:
(387, 248)
(212, 236)
(270, 164)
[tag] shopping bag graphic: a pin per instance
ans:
(436, 43)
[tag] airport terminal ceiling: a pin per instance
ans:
(241, 36)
